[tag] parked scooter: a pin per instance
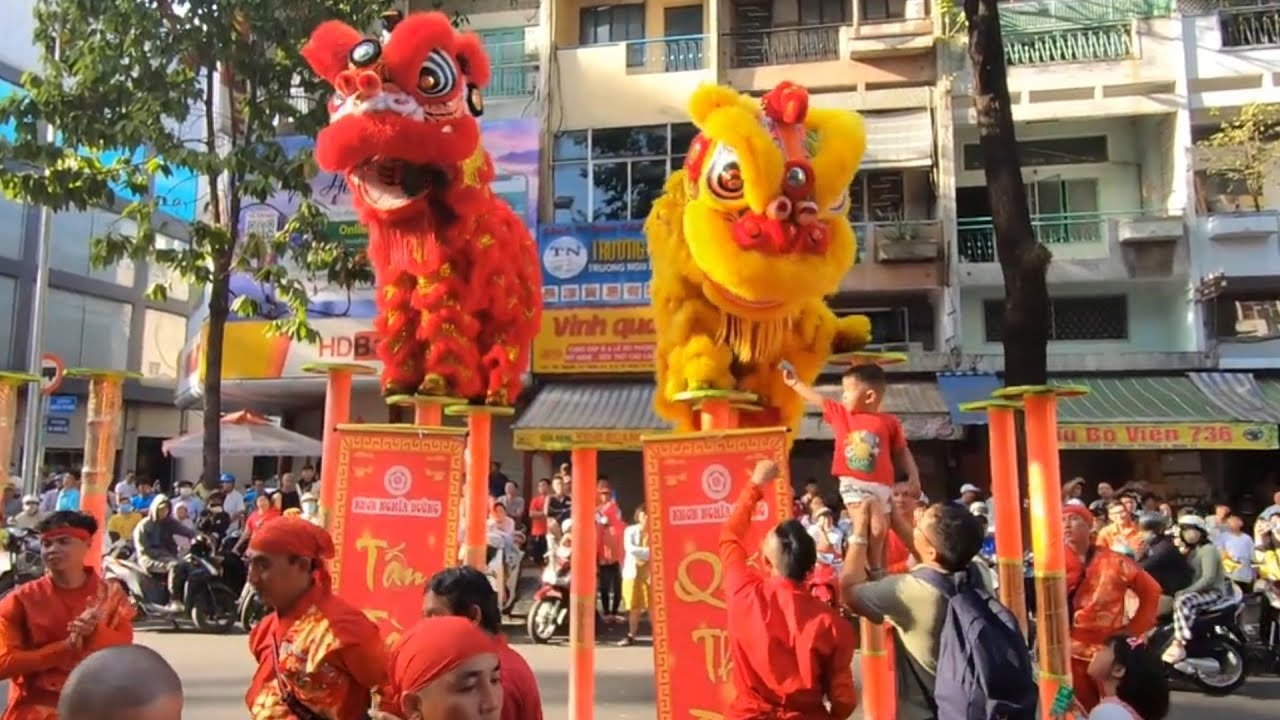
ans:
(1215, 661)
(25, 561)
(549, 615)
(210, 604)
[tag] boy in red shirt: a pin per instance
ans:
(871, 447)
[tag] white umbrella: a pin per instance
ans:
(246, 434)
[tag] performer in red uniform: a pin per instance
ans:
(791, 652)
(445, 668)
(48, 626)
(317, 655)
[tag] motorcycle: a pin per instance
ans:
(250, 609)
(25, 561)
(1215, 661)
(549, 615)
(1264, 650)
(210, 604)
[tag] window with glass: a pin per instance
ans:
(73, 233)
(882, 10)
(614, 173)
(514, 62)
(813, 12)
(86, 331)
(1065, 211)
(1247, 317)
(13, 223)
(1050, 151)
(163, 335)
(606, 24)
(8, 298)
(1105, 317)
(159, 274)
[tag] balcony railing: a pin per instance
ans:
(783, 46)
(515, 71)
(1069, 45)
(669, 54)
(976, 237)
(1250, 26)
(1028, 16)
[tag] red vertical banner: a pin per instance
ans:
(691, 482)
(396, 512)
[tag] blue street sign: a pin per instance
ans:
(63, 404)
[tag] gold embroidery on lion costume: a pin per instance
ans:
(745, 242)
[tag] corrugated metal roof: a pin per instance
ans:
(901, 398)
(1238, 394)
(589, 406)
(1138, 399)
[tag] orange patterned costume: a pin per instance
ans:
(322, 653)
(1099, 610)
(34, 652)
(457, 272)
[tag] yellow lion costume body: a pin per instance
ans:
(745, 242)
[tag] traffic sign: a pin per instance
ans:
(51, 372)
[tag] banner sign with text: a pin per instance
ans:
(595, 340)
(594, 265)
(395, 522)
(691, 482)
(1168, 436)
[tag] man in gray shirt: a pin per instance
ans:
(947, 538)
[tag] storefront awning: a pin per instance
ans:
(919, 405)
(960, 388)
(604, 415)
(1153, 413)
(1238, 394)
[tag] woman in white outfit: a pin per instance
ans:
(635, 573)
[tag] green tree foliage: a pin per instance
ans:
(1245, 150)
(140, 87)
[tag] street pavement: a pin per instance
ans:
(215, 671)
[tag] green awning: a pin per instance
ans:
(1138, 400)
(1270, 388)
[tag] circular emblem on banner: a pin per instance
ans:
(565, 257)
(397, 480)
(716, 482)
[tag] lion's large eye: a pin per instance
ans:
(438, 76)
(724, 175)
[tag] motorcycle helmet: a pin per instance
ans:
(227, 478)
(1153, 523)
(1192, 521)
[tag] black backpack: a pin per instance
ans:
(984, 666)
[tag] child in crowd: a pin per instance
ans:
(870, 451)
(1132, 681)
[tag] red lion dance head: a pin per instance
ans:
(404, 113)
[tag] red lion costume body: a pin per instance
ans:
(458, 281)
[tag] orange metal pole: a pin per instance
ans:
(10, 385)
(582, 586)
(1045, 486)
(337, 411)
(106, 398)
(718, 414)
(878, 692)
(1008, 510)
(479, 451)
(428, 414)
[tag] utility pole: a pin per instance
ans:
(33, 418)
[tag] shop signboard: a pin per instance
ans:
(594, 265)
(617, 439)
(595, 340)
(1168, 436)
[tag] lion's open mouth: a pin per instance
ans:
(733, 300)
(389, 183)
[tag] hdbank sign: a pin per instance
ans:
(594, 265)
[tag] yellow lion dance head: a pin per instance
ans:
(747, 240)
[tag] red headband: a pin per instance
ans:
(65, 531)
(1079, 511)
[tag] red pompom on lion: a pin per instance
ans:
(457, 273)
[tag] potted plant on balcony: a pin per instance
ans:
(901, 240)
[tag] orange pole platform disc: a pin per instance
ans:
(582, 586)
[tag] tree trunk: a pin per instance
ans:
(1023, 260)
(219, 310)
